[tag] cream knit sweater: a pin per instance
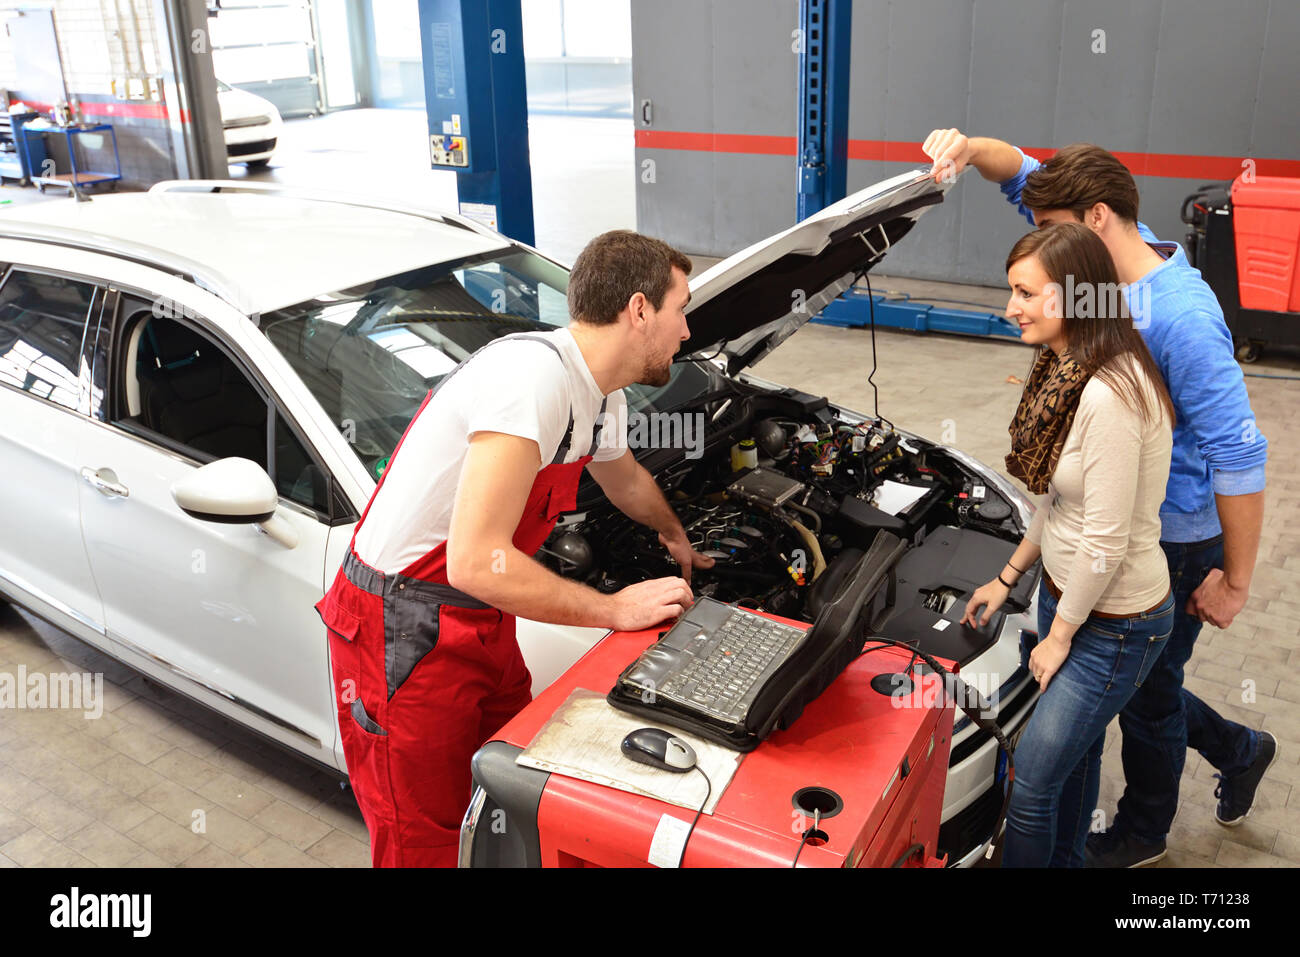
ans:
(1099, 523)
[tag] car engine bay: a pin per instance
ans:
(786, 496)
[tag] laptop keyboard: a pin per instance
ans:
(718, 674)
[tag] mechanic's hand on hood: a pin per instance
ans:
(648, 603)
(685, 556)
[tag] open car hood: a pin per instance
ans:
(749, 303)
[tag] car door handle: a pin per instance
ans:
(105, 482)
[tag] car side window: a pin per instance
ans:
(179, 384)
(42, 326)
(297, 476)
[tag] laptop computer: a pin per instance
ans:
(732, 675)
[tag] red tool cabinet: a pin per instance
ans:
(877, 768)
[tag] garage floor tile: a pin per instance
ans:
(274, 852)
(103, 846)
(213, 856)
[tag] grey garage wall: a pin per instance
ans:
(721, 66)
(1211, 78)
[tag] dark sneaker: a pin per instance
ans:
(1116, 849)
(1236, 794)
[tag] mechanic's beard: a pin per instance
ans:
(656, 375)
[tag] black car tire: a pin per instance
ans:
(1248, 350)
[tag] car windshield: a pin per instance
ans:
(370, 354)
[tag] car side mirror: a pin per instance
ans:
(234, 491)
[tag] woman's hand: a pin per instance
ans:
(991, 596)
(1047, 657)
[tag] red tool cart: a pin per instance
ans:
(869, 766)
(1245, 240)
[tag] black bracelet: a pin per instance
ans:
(1013, 568)
(1007, 583)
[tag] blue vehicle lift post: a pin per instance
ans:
(823, 162)
(853, 308)
(476, 99)
(825, 33)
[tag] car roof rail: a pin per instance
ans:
(322, 196)
(142, 254)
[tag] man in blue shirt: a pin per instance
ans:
(1214, 506)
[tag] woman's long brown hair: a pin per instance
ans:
(1074, 256)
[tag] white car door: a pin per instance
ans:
(221, 606)
(43, 319)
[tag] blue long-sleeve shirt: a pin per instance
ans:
(1217, 447)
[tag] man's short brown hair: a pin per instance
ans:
(1077, 178)
(613, 267)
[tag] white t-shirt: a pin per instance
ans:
(517, 387)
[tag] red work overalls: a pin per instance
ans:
(424, 674)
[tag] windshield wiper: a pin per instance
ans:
(497, 318)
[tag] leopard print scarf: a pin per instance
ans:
(1043, 419)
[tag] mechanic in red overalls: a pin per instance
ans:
(421, 616)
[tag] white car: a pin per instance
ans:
(202, 382)
(251, 125)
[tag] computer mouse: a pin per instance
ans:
(659, 749)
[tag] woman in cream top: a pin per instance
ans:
(1092, 435)
(1099, 525)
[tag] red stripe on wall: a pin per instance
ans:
(1188, 166)
(138, 111)
(1177, 166)
(890, 151)
(717, 142)
(110, 110)
(1166, 165)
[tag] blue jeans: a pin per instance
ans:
(1058, 758)
(1162, 720)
